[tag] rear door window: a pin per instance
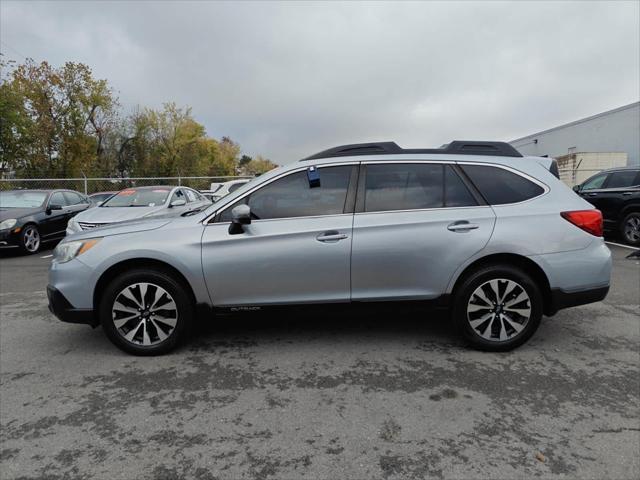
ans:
(499, 186)
(403, 186)
(622, 179)
(456, 193)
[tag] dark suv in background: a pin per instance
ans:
(616, 193)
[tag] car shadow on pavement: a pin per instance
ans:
(387, 322)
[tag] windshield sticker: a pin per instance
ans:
(152, 204)
(127, 192)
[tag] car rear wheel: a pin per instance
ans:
(145, 312)
(630, 229)
(498, 308)
(30, 239)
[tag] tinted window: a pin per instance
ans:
(58, 199)
(594, 182)
(74, 198)
(456, 193)
(403, 187)
(622, 179)
(292, 196)
(499, 186)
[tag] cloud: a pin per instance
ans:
(288, 79)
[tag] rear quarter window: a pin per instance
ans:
(499, 186)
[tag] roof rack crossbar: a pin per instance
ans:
(457, 147)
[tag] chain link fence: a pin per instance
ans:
(94, 185)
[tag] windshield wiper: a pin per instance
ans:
(191, 212)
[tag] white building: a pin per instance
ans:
(614, 131)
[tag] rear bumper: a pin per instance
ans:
(561, 299)
(61, 308)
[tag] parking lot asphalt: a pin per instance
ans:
(370, 393)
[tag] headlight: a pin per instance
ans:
(66, 251)
(10, 222)
(73, 225)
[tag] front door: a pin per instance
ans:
(54, 222)
(297, 248)
(415, 224)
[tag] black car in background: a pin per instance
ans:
(30, 217)
(616, 193)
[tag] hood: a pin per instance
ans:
(120, 228)
(117, 214)
(6, 213)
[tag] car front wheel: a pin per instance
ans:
(145, 312)
(30, 239)
(498, 308)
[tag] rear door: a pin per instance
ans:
(618, 189)
(415, 224)
(297, 248)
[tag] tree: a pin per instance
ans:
(57, 118)
(258, 166)
(63, 122)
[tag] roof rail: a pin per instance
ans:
(457, 147)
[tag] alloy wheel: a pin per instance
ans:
(144, 314)
(499, 309)
(31, 239)
(632, 229)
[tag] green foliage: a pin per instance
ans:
(62, 122)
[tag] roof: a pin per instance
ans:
(456, 147)
(577, 122)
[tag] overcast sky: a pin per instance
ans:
(288, 79)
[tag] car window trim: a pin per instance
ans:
(213, 218)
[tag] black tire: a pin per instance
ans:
(463, 301)
(27, 235)
(152, 327)
(630, 229)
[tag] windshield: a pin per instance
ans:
(18, 199)
(138, 197)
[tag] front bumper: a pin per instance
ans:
(61, 308)
(9, 239)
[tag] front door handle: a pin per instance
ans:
(627, 193)
(592, 194)
(463, 226)
(331, 236)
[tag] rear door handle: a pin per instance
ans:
(331, 236)
(462, 226)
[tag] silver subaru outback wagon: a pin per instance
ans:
(473, 226)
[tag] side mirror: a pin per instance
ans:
(577, 188)
(177, 203)
(240, 215)
(52, 207)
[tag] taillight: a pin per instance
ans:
(588, 220)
